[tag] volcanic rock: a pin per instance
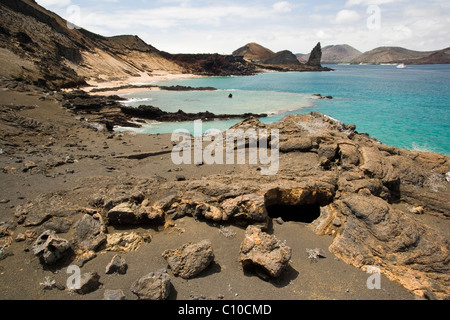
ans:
(89, 282)
(263, 253)
(153, 286)
(190, 259)
(50, 248)
(117, 265)
(315, 57)
(89, 232)
(123, 241)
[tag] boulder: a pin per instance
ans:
(153, 286)
(263, 253)
(89, 232)
(117, 265)
(50, 248)
(190, 259)
(89, 282)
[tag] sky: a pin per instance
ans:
(222, 26)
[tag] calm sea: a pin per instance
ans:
(407, 108)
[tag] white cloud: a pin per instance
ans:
(350, 3)
(54, 3)
(223, 26)
(347, 16)
(282, 6)
(174, 16)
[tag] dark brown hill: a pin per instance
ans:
(395, 55)
(46, 51)
(439, 57)
(254, 52)
(283, 57)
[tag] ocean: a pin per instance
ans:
(408, 108)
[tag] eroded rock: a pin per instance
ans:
(190, 259)
(407, 251)
(89, 232)
(131, 214)
(153, 286)
(124, 241)
(50, 248)
(248, 208)
(89, 282)
(263, 253)
(117, 265)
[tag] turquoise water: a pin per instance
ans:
(407, 108)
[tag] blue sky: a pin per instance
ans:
(187, 26)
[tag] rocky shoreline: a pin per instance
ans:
(151, 86)
(109, 111)
(74, 196)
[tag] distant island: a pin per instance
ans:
(346, 54)
(285, 60)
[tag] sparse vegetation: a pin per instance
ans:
(48, 283)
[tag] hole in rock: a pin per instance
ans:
(299, 213)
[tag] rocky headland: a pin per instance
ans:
(266, 59)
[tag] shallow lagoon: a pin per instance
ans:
(407, 108)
